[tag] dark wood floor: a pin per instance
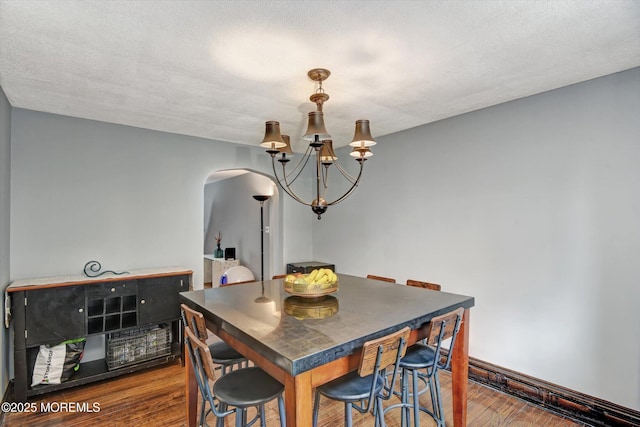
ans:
(156, 397)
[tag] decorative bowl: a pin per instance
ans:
(313, 285)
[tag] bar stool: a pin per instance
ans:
(422, 362)
(222, 354)
(367, 384)
(384, 279)
(424, 285)
(234, 392)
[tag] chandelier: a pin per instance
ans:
(320, 146)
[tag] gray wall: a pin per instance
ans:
(128, 197)
(5, 196)
(236, 214)
(530, 206)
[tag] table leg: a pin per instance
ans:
(298, 400)
(460, 373)
(191, 391)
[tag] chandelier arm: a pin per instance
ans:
(353, 187)
(286, 187)
(303, 161)
(344, 173)
(325, 180)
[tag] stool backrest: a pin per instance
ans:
(384, 279)
(382, 352)
(441, 328)
(202, 354)
(194, 320)
(425, 285)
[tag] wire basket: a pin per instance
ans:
(133, 346)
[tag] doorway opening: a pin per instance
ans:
(232, 213)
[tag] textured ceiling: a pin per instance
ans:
(220, 69)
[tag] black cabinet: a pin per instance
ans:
(54, 315)
(158, 302)
(49, 312)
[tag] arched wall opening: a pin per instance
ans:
(231, 210)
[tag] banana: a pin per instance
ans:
(323, 279)
(312, 276)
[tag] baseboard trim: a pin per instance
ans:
(578, 406)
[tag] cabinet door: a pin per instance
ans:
(158, 298)
(54, 315)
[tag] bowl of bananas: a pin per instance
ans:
(316, 284)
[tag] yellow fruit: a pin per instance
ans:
(300, 281)
(290, 278)
(312, 276)
(323, 279)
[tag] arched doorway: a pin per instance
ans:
(231, 211)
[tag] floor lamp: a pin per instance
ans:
(261, 199)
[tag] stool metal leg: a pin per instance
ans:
(439, 399)
(283, 416)
(263, 422)
(416, 398)
(404, 396)
(220, 420)
(348, 422)
(203, 411)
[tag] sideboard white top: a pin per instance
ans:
(81, 278)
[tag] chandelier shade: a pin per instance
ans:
(362, 137)
(272, 137)
(361, 152)
(287, 147)
(326, 152)
(316, 127)
(320, 146)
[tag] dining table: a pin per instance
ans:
(307, 342)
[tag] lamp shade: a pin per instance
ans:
(316, 127)
(272, 138)
(287, 148)
(361, 152)
(362, 137)
(327, 155)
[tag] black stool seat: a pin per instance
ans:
(221, 352)
(418, 356)
(247, 387)
(351, 387)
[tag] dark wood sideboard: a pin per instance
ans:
(126, 310)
